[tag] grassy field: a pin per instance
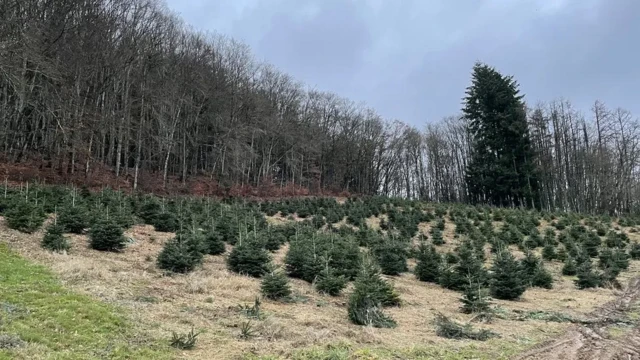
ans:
(82, 303)
(56, 323)
(41, 319)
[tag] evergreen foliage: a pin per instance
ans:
(370, 294)
(436, 236)
(507, 281)
(182, 254)
(634, 252)
(428, 267)
(73, 219)
(549, 252)
(24, 216)
(166, 222)
(329, 283)
(106, 235)
(213, 243)
(275, 286)
(392, 257)
(502, 168)
(570, 268)
(475, 299)
(249, 258)
(587, 277)
(54, 239)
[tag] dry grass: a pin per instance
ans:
(208, 298)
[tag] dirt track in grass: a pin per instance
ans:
(613, 333)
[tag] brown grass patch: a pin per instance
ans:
(208, 299)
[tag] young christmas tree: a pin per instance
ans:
(549, 252)
(275, 286)
(213, 243)
(587, 277)
(429, 264)
(24, 216)
(507, 282)
(469, 267)
(166, 222)
(329, 283)
(370, 294)
(475, 299)
(249, 258)
(73, 219)
(105, 235)
(182, 253)
(570, 268)
(392, 257)
(54, 239)
(561, 255)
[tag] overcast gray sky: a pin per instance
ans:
(411, 59)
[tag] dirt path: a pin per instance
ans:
(596, 340)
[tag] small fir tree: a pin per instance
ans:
(507, 282)
(54, 239)
(213, 243)
(166, 222)
(181, 254)
(392, 257)
(428, 267)
(436, 237)
(570, 268)
(587, 277)
(370, 293)
(329, 283)
(549, 252)
(275, 286)
(561, 255)
(105, 235)
(634, 252)
(25, 217)
(73, 219)
(249, 258)
(475, 299)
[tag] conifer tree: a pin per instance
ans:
(507, 282)
(549, 252)
(502, 168)
(73, 219)
(634, 252)
(561, 254)
(275, 286)
(570, 268)
(213, 243)
(106, 235)
(587, 277)
(475, 299)
(534, 273)
(249, 258)
(54, 239)
(392, 257)
(25, 216)
(370, 294)
(436, 236)
(329, 283)
(428, 267)
(182, 253)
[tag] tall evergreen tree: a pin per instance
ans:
(502, 168)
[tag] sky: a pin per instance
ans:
(411, 60)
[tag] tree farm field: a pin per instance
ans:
(139, 309)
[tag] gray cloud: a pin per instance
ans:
(411, 59)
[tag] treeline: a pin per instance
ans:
(125, 84)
